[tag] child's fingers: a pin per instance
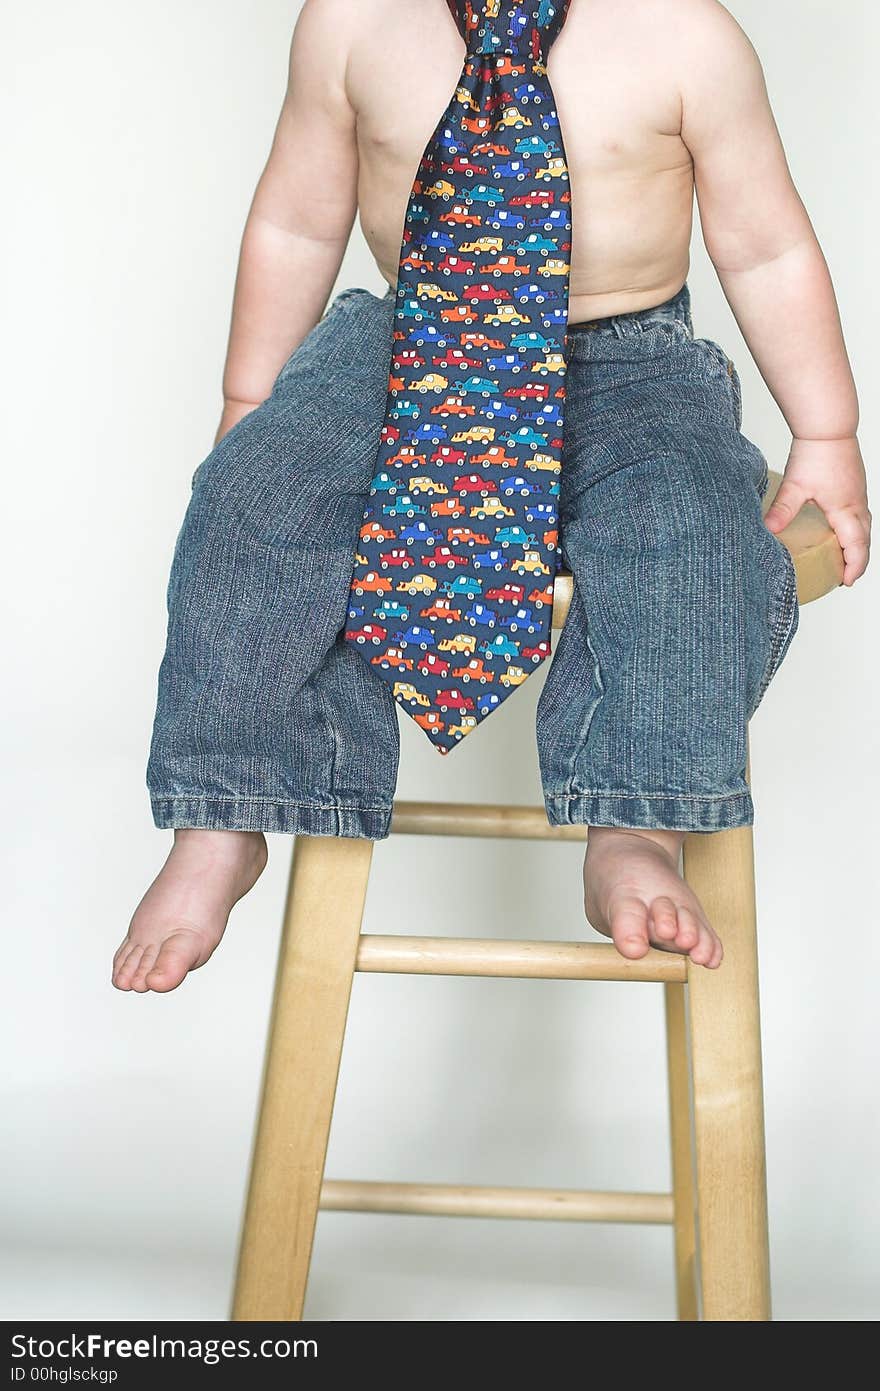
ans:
(785, 506)
(853, 531)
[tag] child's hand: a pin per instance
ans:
(831, 474)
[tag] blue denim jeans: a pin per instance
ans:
(684, 603)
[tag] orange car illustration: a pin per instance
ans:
(430, 720)
(442, 610)
(392, 657)
(474, 671)
(374, 531)
(449, 507)
(372, 583)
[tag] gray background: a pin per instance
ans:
(140, 133)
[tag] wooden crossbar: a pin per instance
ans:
(534, 1204)
(479, 820)
(476, 956)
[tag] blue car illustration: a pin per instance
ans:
(503, 409)
(427, 333)
(547, 413)
(524, 435)
(516, 487)
(510, 362)
(487, 702)
(521, 621)
(488, 560)
(404, 410)
(549, 218)
(427, 433)
(533, 144)
(463, 586)
(475, 386)
(499, 647)
(418, 213)
(512, 169)
(356, 611)
(541, 512)
(527, 92)
(403, 506)
(419, 531)
(536, 342)
(383, 483)
(482, 614)
(532, 293)
(514, 536)
(533, 243)
(441, 241)
(388, 611)
(554, 318)
(483, 193)
(414, 637)
(506, 221)
(413, 309)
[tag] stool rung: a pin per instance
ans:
(535, 1204)
(475, 956)
(479, 819)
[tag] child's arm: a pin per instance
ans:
(301, 216)
(773, 274)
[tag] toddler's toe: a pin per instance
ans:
(629, 927)
(664, 919)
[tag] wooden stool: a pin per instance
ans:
(718, 1203)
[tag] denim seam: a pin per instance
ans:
(645, 796)
(275, 802)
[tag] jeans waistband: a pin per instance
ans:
(675, 310)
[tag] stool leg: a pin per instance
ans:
(725, 1031)
(319, 943)
(678, 1067)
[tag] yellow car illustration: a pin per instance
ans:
(491, 507)
(507, 314)
(405, 690)
(419, 584)
(543, 463)
(461, 642)
(420, 483)
(513, 676)
(512, 116)
(493, 245)
(441, 189)
(477, 434)
(553, 169)
(458, 731)
(428, 291)
(463, 96)
(553, 362)
(432, 381)
(531, 564)
(553, 266)
(360, 559)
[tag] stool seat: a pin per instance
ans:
(814, 549)
(717, 1206)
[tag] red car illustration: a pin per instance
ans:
(432, 665)
(536, 653)
(462, 165)
(398, 556)
(442, 555)
(371, 632)
(550, 539)
(456, 265)
(507, 594)
(485, 291)
(540, 198)
(445, 454)
(454, 357)
(529, 391)
(390, 434)
(453, 700)
(406, 357)
(472, 483)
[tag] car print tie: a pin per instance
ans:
(452, 591)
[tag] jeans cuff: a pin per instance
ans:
(652, 812)
(260, 814)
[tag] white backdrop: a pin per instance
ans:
(140, 133)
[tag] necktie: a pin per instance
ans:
(452, 590)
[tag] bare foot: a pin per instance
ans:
(634, 894)
(182, 916)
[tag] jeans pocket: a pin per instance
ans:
(726, 371)
(782, 609)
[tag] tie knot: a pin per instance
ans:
(509, 26)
